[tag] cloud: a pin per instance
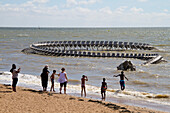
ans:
(134, 9)
(84, 2)
(165, 10)
(71, 3)
(121, 9)
(28, 8)
(82, 10)
(106, 10)
(40, 1)
(33, 14)
(142, 0)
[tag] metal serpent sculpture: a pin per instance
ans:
(94, 49)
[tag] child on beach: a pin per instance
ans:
(83, 79)
(52, 80)
(122, 82)
(103, 89)
(14, 76)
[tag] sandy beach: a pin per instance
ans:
(33, 101)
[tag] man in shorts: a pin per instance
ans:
(122, 82)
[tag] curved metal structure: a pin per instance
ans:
(93, 49)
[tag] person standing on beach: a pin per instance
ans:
(103, 89)
(63, 80)
(52, 80)
(83, 79)
(14, 76)
(44, 78)
(122, 82)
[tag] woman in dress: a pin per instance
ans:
(44, 78)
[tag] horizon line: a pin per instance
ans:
(38, 27)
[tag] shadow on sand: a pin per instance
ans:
(35, 91)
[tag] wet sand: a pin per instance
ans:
(33, 101)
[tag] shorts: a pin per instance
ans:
(122, 83)
(82, 85)
(65, 84)
(14, 82)
(52, 81)
(103, 90)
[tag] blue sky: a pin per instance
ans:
(85, 13)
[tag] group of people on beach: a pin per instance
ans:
(63, 80)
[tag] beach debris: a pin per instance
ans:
(50, 94)
(7, 84)
(80, 100)
(71, 98)
(122, 108)
(125, 111)
(127, 65)
(96, 101)
(112, 106)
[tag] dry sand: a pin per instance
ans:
(32, 101)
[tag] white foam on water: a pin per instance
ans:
(22, 35)
(34, 82)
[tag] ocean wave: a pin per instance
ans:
(168, 87)
(22, 35)
(162, 96)
(163, 45)
(137, 82)
(75, 36)
(144, 74)
(142, 95)
(68, 64)
(74, 82)
(74, 87)
(142, 71)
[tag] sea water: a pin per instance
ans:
(149, 83)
